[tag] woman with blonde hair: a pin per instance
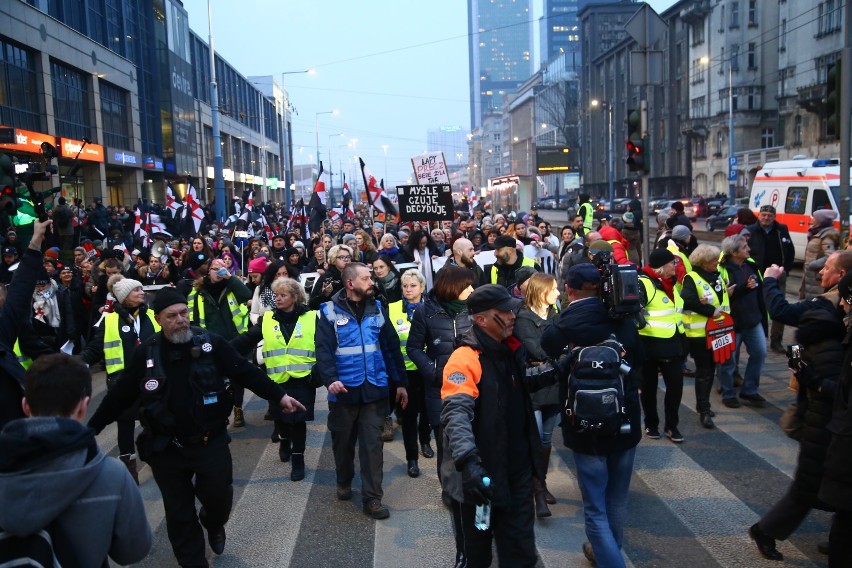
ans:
(288, 354)
(704, 297)
(537, 314)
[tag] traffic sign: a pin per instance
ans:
(732, 161)
(732, 175)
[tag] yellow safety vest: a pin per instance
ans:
(663, 317)
(113, 349)
(19, 355)
(673, 248)
(239, 312)
(693, 322)
(588, 216)
(525, 261)
(293, 359)
(400, 322)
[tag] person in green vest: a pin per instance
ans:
(662, 342)
(704, 297)
(401, 313)
(288, 354)
(586, 211)
(217, 303)
(127, 324)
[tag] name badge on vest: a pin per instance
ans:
(665, 300)
(210, 398)
(125, 328)
(297, 332)
(342, 321)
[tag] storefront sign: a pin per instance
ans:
(152, 163)
(124, 158)
(27, 141)
(69, 148)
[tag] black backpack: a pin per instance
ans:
(34, 551)
(595, 403)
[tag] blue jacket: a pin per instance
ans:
(365, 356)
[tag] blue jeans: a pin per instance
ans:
(547, 417)
(755, 341)
(605, 482)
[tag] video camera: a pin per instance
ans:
(619, 287)
(15, 174)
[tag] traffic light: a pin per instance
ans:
(636, 161)
(832, 100)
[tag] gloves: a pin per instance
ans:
(475, 491)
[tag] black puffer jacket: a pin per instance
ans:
(432, 338)
(528, 328)
(331, 275)
(836, 488)
(819, 332)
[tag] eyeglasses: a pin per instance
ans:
(344, 258)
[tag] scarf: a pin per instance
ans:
(454, 307)
(409, 308)
(668, 283)
(389, 282)
(46, 306)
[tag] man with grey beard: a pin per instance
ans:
(178, 378)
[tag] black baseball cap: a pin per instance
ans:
(491, 296)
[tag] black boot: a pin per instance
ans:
(130, 463)
(284, 451)
(703, 386)
(298, 471)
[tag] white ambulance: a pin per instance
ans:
(797, 188)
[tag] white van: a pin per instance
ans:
(797, 188)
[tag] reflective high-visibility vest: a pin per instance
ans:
(399, 318)
(113, 348)
(239, 312)
(673, 248)
(525, 261)
(588, 215)
(19, 355)
(693, 322)
(663, 316)
(289, 360)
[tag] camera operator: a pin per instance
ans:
(604, 464)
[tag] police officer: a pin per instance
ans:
(178, 376)
(122, 329)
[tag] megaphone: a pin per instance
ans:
(159, 249)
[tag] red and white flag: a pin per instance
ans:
(172, 203)
(317, 204)
(375, 192)
(192, 208)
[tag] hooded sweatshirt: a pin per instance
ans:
(53, 476)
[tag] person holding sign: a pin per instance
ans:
(745, 285)
(704, 297)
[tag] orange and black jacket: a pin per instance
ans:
(486, 412)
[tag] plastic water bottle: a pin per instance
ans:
(482, 519)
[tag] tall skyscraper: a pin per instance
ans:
(500, 51)
(559, 29)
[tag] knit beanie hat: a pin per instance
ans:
(681, 233)
(257, 266)
(123, 288)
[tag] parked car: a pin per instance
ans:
(721, 219)
(546, 203)
(699, 206)
(662, 205)
(715, 205)
(620, 204)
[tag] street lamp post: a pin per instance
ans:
(218, 162)
(316, 131)
(286, 147)
(610, 159)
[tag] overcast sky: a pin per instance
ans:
(393, 69)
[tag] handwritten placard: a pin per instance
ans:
(430, 168)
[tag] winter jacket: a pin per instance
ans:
(528, 329)
(487, 414)
(52, 473)
(748, 307)
(94, 350)
(820, 332)
(432, 338)
(619, 244)
(820, 245)
(585, 322)
(372, 361)
(783, 311)
(772, 247)
(331, 275)
(836, 487)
